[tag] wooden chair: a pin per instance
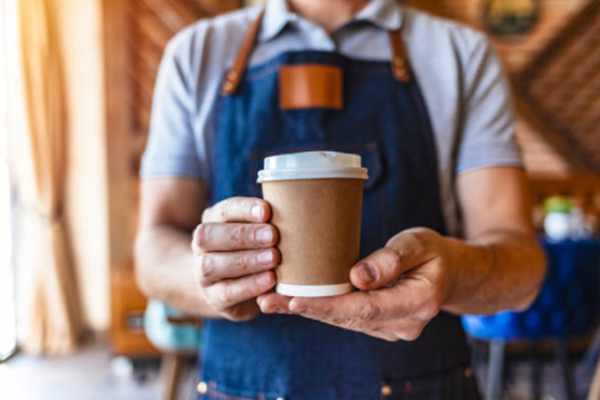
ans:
(178, 339)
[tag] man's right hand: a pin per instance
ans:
(235, 254)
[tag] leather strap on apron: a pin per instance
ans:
(400, 64)
(234, 76)
(399, 61)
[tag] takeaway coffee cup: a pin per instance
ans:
(316, 200)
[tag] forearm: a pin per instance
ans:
(500, 270)
(164, 267)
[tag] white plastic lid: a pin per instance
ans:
(312, 165)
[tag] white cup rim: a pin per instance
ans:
(312, 165)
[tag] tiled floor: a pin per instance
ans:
(93, 375)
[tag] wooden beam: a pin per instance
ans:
(523, 105)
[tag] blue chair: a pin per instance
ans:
(567, 307)
(171, 331)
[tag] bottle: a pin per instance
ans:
(557, 223)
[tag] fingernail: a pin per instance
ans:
(265, 280)
(257, 211)
(265, 235)
(265, 257)
(367, 273)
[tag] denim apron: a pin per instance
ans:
(384, 120)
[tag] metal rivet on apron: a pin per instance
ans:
(386, 390)
(399, 62)
(469, 372)
(228, 85)
(202, 388)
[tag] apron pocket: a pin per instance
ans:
(458, 384)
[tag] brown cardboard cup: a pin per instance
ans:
(316, 201)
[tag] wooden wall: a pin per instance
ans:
(542, 156)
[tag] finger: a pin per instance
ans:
(360, 315)
(232, 236)
(238, 209)
(274, 303)
(225, 294)
(365, 306)
(242, 312)
(217, 266)
(386, 265)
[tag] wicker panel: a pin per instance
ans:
(152, 24)
(562, 86)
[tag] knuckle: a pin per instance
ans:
(390, 259)
(428, 312)
(234, 314)
(205, 267)
(346, 323)
(425, 237)
(222, 210)
(201, 236)
(420, 232)
(240, 314)
(411, 334)
(240, 262)
(390, 337)
(225, 294)
(238, 235)
(206, 214)
(370, 312)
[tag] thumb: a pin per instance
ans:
(403, 253)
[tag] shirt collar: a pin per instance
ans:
(386, 14)
(277, 16)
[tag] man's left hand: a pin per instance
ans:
(402, 287)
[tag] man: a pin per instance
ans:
(426, 105)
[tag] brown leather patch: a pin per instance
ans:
(310, 86)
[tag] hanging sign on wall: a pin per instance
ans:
(510, 17)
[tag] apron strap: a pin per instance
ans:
(400, 65)
(234, 75)
(399, 61)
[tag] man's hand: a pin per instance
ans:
(235, 256)
(499, 266)
(402, 287)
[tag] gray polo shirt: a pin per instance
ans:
(461, 78)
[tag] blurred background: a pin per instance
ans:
(76, 83)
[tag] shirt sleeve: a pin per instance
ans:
(488, 134)
(171, 149)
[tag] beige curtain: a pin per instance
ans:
(51, 311)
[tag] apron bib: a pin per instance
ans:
(382, 118)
